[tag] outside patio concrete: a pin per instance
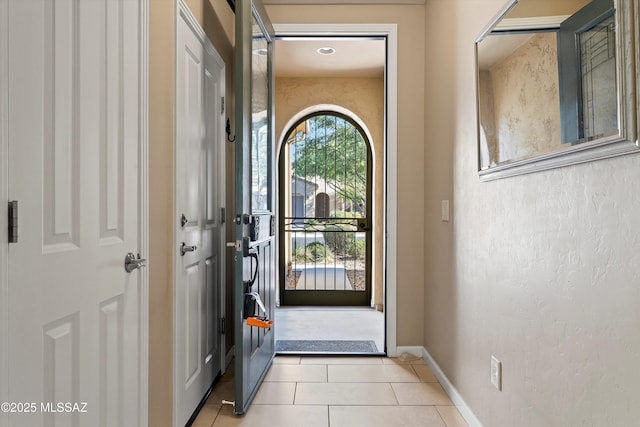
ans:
(330, 323)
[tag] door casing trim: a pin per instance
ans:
(390, 248)
(4, 198)
(143, 211)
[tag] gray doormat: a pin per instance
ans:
(325, 347)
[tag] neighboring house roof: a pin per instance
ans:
(308, 187)
(303, 187)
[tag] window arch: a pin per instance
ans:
(332, 151)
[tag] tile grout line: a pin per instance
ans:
(393, 390)
(328, 406)
(416, 373)
(216, 417)
(328, 415)
(440, 416)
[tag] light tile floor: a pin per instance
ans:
(306, 391)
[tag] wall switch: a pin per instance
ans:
(496, 373)
(445, 210)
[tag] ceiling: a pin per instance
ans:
(494, 48)
(352, 58)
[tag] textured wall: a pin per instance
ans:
(526, 99)
(544, 267)
(411, 49)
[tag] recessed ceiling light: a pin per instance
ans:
(261, 52)
(326, 51)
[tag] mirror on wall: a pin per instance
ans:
(554, 85)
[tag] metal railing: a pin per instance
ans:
(325, 254)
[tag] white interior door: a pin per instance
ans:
(76, 330)
(199, 216)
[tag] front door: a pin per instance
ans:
(325, 212)
(76, 315)
(199, 223)
(255, 285)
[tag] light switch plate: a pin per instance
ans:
(496, 373)
(445, 210)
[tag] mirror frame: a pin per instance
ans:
(625, 142)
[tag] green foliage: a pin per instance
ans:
(317, 251)
(299, 254)
(313, 252)
(344, 214)
(311, 224)
(338, 237)
(357, 249)
(335, 151)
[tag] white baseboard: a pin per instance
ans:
(455, 397)
(411, 349)
(451, 391)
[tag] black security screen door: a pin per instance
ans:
(325, 221)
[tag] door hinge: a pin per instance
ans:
(223, 326)
(222, 105)
(13, 221)
(223, 215)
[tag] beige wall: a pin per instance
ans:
(411, 145)
(526, 100)
(363, 97)
(539, 270)
(161, 190)
(161, 131)
(529, 8)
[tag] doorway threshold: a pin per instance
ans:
(327, 347)
(336, 331)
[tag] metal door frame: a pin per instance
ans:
(325, 297)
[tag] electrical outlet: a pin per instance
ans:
(496, 373)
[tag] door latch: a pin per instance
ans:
(184, 248)
(223, 326)
(362, 224)
(132, 263)
(13, 221)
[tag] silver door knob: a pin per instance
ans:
(184, 248)
(132, 263)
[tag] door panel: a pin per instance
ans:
(255, 229)
(199, 231)
(60, 125)
(212, 308)
(326, 207)
(74, 140)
